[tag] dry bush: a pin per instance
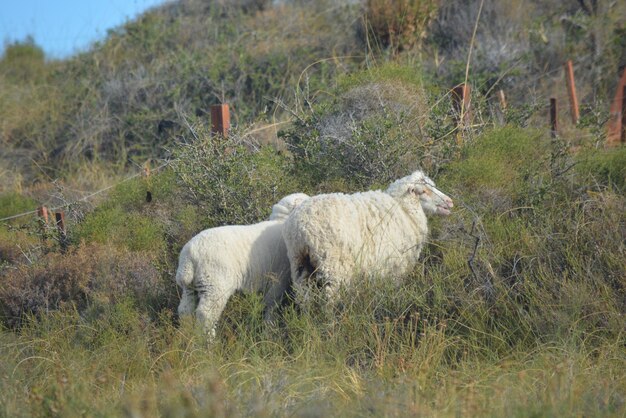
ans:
(374, 130)
(520, 46)
(87, 275)
(9, 253)
(399, 24)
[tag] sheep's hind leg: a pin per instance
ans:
(188, 302)
(274, 297)
(211, 304)
(331, 292)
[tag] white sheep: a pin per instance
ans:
(217, 262)
(334, 237)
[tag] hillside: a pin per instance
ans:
(131, 95)
(517, 304)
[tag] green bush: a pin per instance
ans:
(606, 166)
(23, 62)
(541, 245)
(232, 183)
(502, 168)
(15, 203)
(126, 220)
(16, 242)
(131, 195)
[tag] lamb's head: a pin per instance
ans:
(432, 200)
(286, 205)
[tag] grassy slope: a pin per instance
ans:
(535, 329)
(534, 326)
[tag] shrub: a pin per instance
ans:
(15, 241)
(126, 220)
(372, 131)
(399, 24)
(114, 225)
(89, 274)
(543, 247)
(16, 245)
(231, 182)
(606, 166)
(14, 203)
(23, 61)
(502, 168)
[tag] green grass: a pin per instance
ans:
(608, 167)
(502, 161)
(116, 363)
(516, 307)
(131, 230)
(15, 203)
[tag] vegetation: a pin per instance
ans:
(398, 24)
(516, 309)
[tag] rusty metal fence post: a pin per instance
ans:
(571, 91)
(220, 119)
(553, 118)
(60, 222)
(615, 123)
(623, 134)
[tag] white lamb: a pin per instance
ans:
(217, 262)
(336, 236)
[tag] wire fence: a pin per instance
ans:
(84, 198)
(221, 126)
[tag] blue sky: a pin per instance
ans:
(64, 27)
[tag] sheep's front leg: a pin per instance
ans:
(333, 278)
(211, 304)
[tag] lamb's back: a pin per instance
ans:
(243, 252)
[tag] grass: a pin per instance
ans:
(117, 363)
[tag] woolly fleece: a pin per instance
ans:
(336, 237)
(217, 262)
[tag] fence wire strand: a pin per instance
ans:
(84, 198)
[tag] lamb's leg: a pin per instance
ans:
(188, 302)
(211, 304)
(273, 295)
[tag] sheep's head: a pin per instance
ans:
(286, 205)
(432, 200)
